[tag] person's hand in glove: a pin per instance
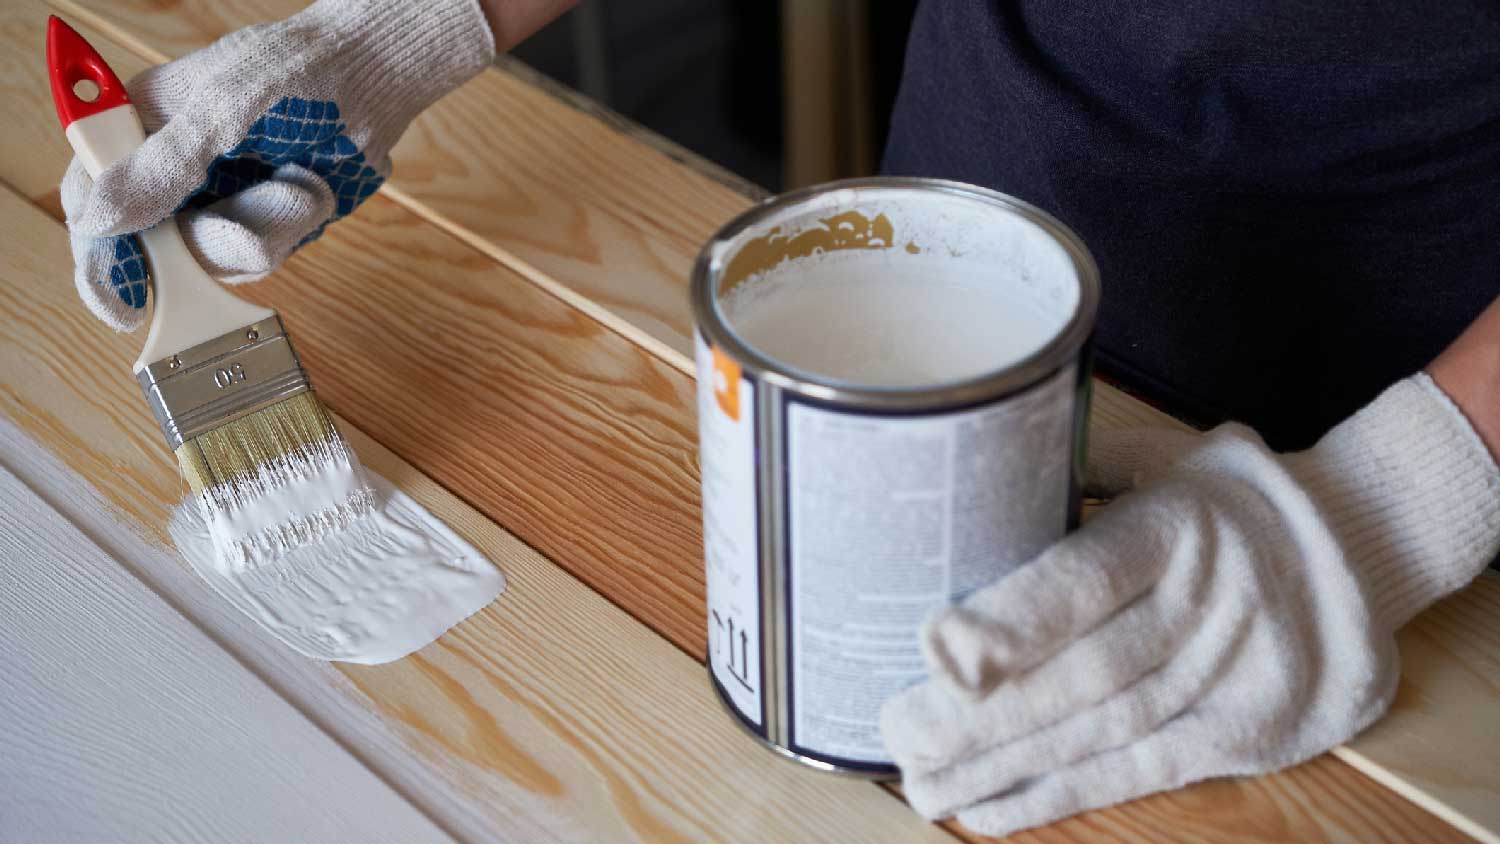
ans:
(1233, 614)
(266, 136)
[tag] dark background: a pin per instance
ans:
(706, 73)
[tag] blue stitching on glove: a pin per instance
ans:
(293, 131)
(127, 275)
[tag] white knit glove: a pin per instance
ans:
(266, 136)
(1233, 615)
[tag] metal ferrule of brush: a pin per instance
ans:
(223, 379)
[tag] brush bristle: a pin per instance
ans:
(289, 439)
(276, 479)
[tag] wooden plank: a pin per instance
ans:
(122, 721)
(1320, 801)
(178, 26)
(551, 710)
(1440, 745)
(573, 438)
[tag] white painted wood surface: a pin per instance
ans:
(124, 722)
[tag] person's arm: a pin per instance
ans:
(1469, 372)
(513, 21)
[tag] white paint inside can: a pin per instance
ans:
(945, 303)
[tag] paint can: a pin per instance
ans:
(838, 512)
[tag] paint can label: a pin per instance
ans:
(726, 429)
(889, 517)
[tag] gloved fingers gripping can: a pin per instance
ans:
(893, 387)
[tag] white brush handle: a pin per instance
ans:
(190, 307)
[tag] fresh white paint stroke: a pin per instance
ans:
(122, 721)
(382, 587)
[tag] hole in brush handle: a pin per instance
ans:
(86, 90)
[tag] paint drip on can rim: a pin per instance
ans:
(893, 384)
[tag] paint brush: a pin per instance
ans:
(220, 374)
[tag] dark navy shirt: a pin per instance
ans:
(1293, 204)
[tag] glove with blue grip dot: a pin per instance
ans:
(263, 138)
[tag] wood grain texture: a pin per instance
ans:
(1440, 743)
(573, 438)
(552, 713)
(1318, 801)
(122, 721)
(520, 729)
(482, 179)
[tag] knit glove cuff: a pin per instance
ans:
(1412, 494)
(408, 56)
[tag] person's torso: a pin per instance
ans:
(1292, 204)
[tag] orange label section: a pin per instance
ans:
(727, 384)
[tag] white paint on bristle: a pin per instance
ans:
(331, 584)
(291, 505)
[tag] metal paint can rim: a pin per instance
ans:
(711, 320)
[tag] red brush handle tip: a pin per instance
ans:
(71, 60)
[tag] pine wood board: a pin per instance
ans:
(1439, 746)
(552, 705)
(185, 27)
(576, 440)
